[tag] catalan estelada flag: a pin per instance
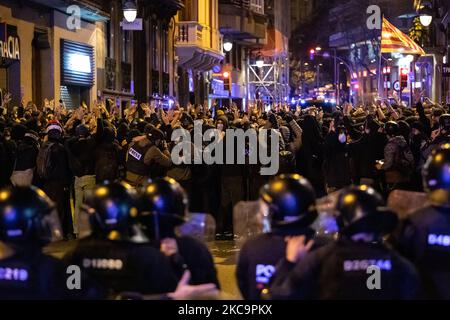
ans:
(395, 41)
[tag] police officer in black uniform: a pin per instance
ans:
(425, 237)
(26, 225)
(340, 270)
(111, 255)
(289, 203)
(163, 205)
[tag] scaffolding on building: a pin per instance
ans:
(269, 82)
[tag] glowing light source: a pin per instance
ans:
(260, 62)
(426, 16)
(227, 46)
(79, 62)
(130, 11)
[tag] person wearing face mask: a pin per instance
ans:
(147, 157)
(336, 160)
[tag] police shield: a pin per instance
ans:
(201, 226)
(53, 226)
(325, 224)
(405, 202)
(247, 220)
(84, 226)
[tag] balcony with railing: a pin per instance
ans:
(243, 19)
(198, 46)
(256, 6)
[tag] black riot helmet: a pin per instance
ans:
(292, 204)
(162, 205)
(27, 217)
(444, 122)
(361, 210)
(436, 176)
(112, 211)
(391, 128)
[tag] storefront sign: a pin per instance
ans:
(9, 42)
(135, 25)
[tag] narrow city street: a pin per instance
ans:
(305, 142)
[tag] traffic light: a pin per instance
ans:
(226, 77)
(312, 52)
(404, 77)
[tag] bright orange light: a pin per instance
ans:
(226, 74)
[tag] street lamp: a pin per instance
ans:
(130, 11)
(227, 46)
(426, 16)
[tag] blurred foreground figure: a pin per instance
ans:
(425, 237)
(111, 256)
(163, 206)
(288, 209)
(341, 270)
(27, 223)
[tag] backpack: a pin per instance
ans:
(44, 161)
(106, 165)
(404, 160)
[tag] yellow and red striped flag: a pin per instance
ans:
(395, 41)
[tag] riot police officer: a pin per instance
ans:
(163, 205)
(425, 236)
(26, 225)
(288, 209)
(340, 270)
(111, 255)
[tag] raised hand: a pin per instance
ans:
(297, 248)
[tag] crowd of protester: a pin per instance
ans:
(135, 247)
(67, 152)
